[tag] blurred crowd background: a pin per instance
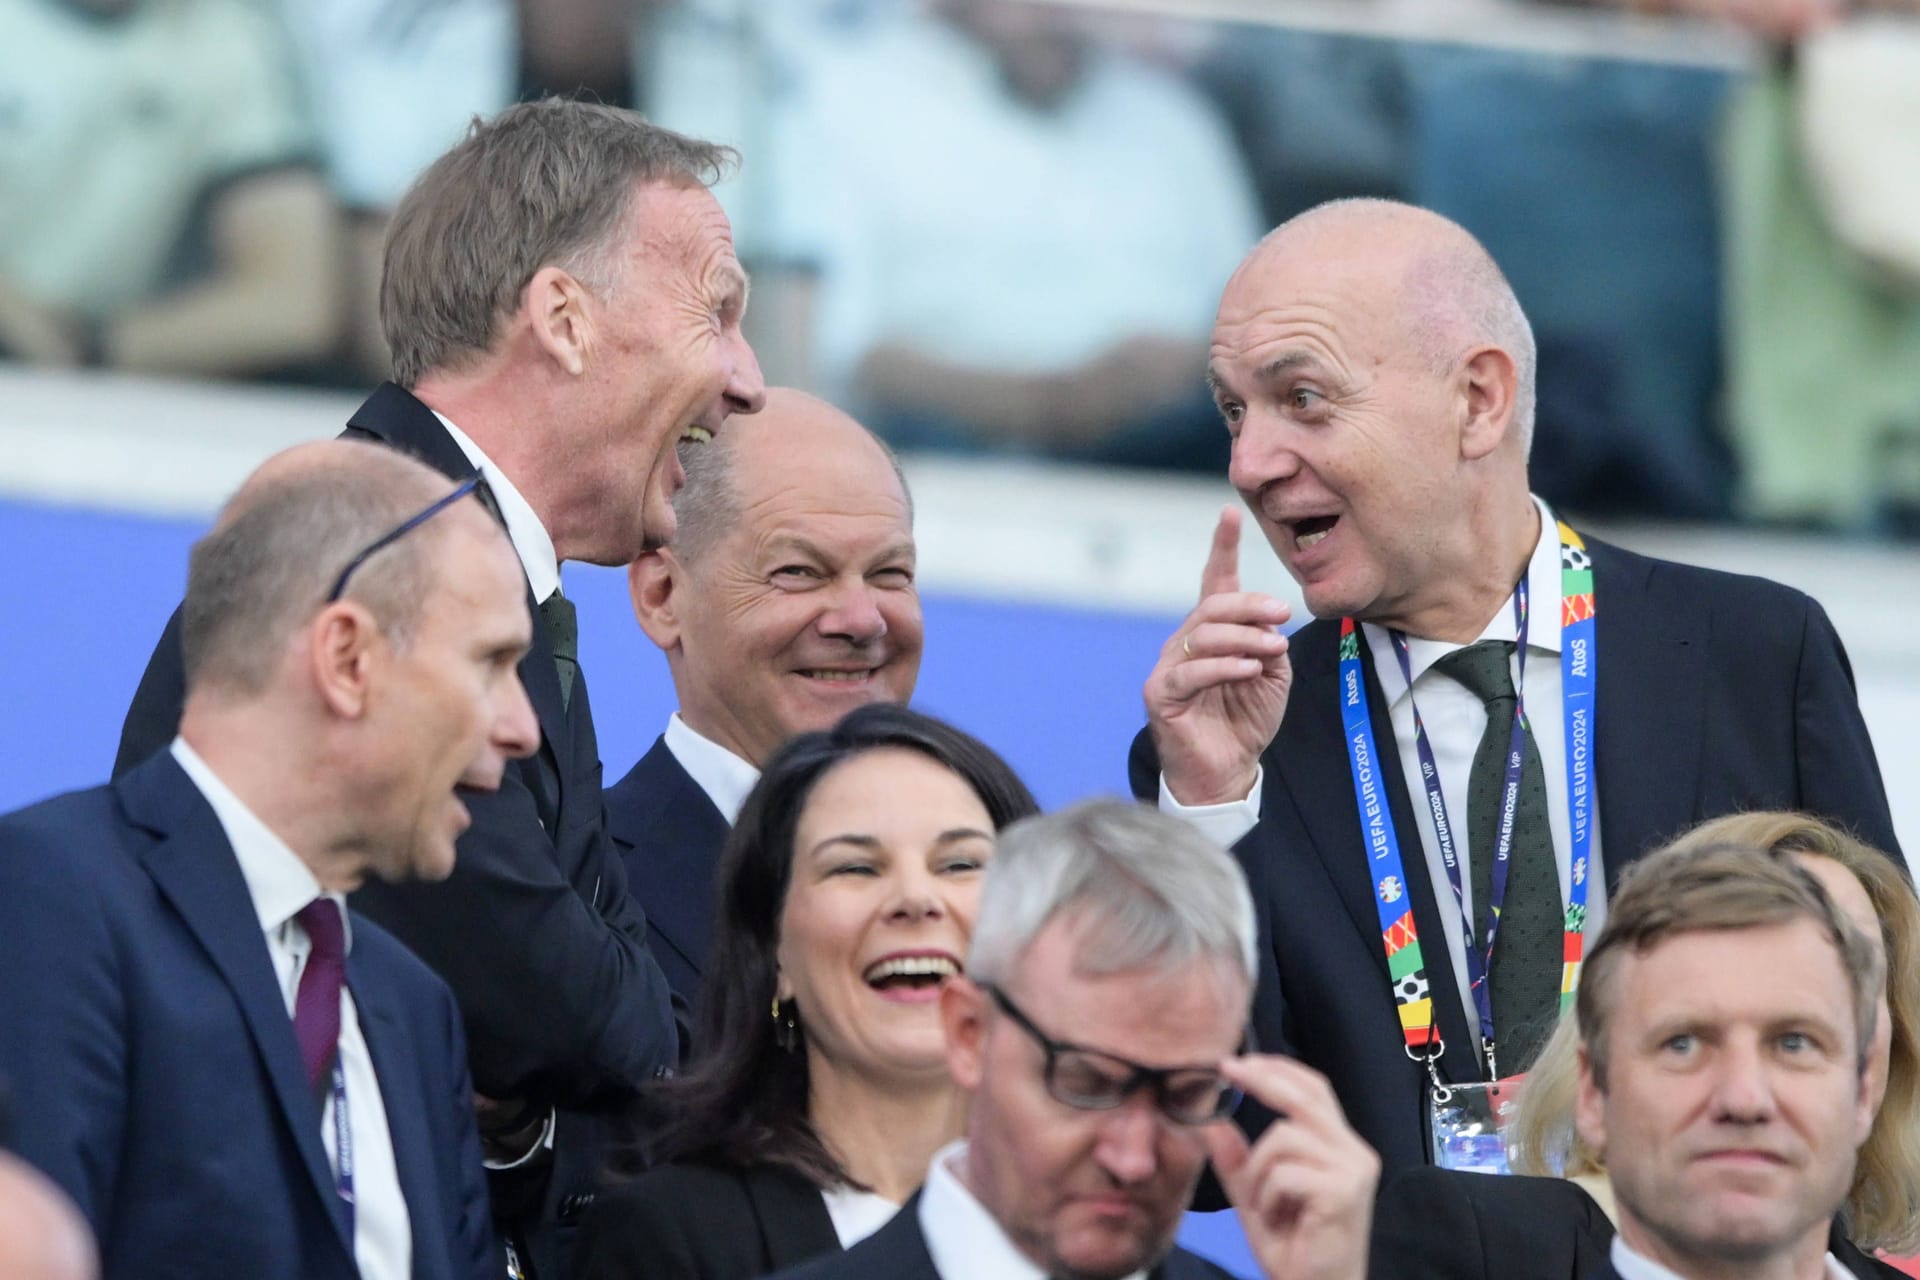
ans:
(999, 226)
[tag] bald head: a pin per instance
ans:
(794, 432)
(42, 1235)
(283, 538)
(1449, 294)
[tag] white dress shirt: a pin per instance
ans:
(1634, 1265)
(531, 541)
(1455, 718)
(963, 1239)
(724, 776)
(857, 1214)
(280, 885)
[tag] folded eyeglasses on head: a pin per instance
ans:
(474, 483)
(1092, 1080)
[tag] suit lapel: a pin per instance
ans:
(899, 1249)
(193, 867)
(390, 1044)
(795, 1226)
(1649, 707)
(1316, 765)
(676, 846)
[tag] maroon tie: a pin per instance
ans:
(316, 1007)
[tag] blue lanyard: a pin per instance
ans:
(1479, 957)
(342, 1146)
(1406, 964)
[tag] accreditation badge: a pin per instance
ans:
(1465, 1124)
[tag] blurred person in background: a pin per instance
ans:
(563, 305)
(160, 205)
(1822, 342)
(785, 599)
(1555, 1219)
(819, 1089)
(1021, 247)
(42, 1236)
(1098, 1037)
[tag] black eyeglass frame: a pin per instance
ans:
(1139, 1076)
(474, 483)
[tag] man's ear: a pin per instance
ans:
(963, 1017)
(652, 583)
(556, 309)
(341, 641)
(1490, 385)
(1590, 1107)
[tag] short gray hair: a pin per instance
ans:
(708, 504)
(1150, 889)
(267, 564)
(541, 184)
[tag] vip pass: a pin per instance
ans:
(1578, 669)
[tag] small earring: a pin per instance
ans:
(786, 1025)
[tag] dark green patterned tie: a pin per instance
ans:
(1525, 982)
(563, 627)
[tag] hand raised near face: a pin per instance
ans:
(1304, 1190)
(1216, 696)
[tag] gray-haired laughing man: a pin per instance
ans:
(562, 303)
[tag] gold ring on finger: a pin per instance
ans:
(1186, 645)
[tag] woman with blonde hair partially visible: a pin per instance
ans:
(1423, 1216)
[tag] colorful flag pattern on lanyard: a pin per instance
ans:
(1406, 964)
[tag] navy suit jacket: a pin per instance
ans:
(898, 1251)
(1717, 693)
(1440, 1224)
(153, 1064)
(535, 931)
(670, 836)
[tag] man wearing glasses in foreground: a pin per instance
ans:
(229, 1072)
(1099, 1034)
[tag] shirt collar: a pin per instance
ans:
(724, 776)
(530, 538)
(1634, 1265)
(1543, 617)
(962, 1238)
(278, 882)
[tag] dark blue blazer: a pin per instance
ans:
(1717, 693)
(153, 1065)
(670, 835)
(898, 1251)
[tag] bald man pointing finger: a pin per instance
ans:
(1490, 713)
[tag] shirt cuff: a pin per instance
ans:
(544, 1143)
(1223, 824)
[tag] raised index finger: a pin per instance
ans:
(1222, 573)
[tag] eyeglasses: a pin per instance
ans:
(1089, 1080)
(472, 484)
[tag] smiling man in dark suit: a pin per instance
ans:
(1376, 375)
(785, 600)
(228, 1071)
(562, 303)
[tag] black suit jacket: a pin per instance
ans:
(535, 931)
(695, 1222)
(154, 1069)
(898, 1251)
(670, 835)
(1438, 1224)
(1717, 693)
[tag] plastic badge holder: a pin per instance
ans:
(1465, 1122)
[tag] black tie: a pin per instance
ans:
(563, 627)
(1525, 982)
